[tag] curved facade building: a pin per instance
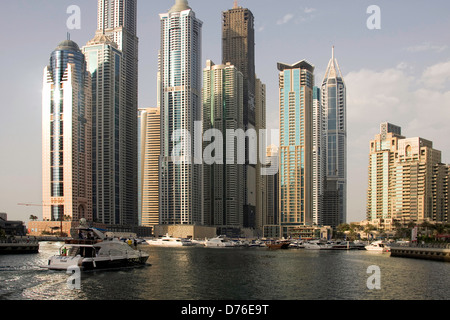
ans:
(66, 135)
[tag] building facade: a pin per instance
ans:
(149, 152)
(319, 152)
(238, 48)
(67, 135)
(334, 104)
(117, 19)
(180, 104)
(105, 63)
(407, 181)
(296, 141)
(222, 173)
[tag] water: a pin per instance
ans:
(198, 273)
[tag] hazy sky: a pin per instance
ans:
(399, 73)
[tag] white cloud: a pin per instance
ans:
(416, 101)
(427, 47)
(285, 19)
(309, 10)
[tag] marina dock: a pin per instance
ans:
(438, 252)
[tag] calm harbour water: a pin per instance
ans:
(198, 273)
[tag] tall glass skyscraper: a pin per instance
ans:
(117, 19)
(180, 86)
(334, 103)
(223, 181)
(105, 63)
(238, 48)
(66, 135)
(296, 140)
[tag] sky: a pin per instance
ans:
(399, 73)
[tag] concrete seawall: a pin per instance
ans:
(437, 252)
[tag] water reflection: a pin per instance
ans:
(195, 273)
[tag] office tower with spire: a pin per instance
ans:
(149, 146)
(180, 83)
(223, 180)
(117, 20)
(105, 63)
(296, 141)
(334, 104)
(66, 135)
(238, 48)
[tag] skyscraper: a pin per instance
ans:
(318, 157)
(296, 141)
(407, 181)
(180, 103)
(105, 63)
(334, 105)
(223, 180)
(66, 135)
(238, 48)
(117, 19)
(149, 145)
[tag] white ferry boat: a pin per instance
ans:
(96, 253)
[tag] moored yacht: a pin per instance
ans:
(317, 245)
(169, 241)
(378, 246)
(219, 241)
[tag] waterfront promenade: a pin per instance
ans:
(433, 251)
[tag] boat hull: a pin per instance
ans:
(58, 263)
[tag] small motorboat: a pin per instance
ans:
(378, 246)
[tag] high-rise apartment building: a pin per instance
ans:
(149, 152)
(383, 150)
(66, 135)
(180, 84)
(223, 179)
(271, 226)
(238, 48)
(319, 152)
(105, 63)
(334, 210)
(407, 181)
(296, 142)
(261, 179)
(117, 19)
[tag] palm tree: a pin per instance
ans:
(33, 218)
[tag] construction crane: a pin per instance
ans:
(44, 205)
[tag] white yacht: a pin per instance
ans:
(378, 246)
(219, 241)
(317, 245)
(169, 241)
(95, 253)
